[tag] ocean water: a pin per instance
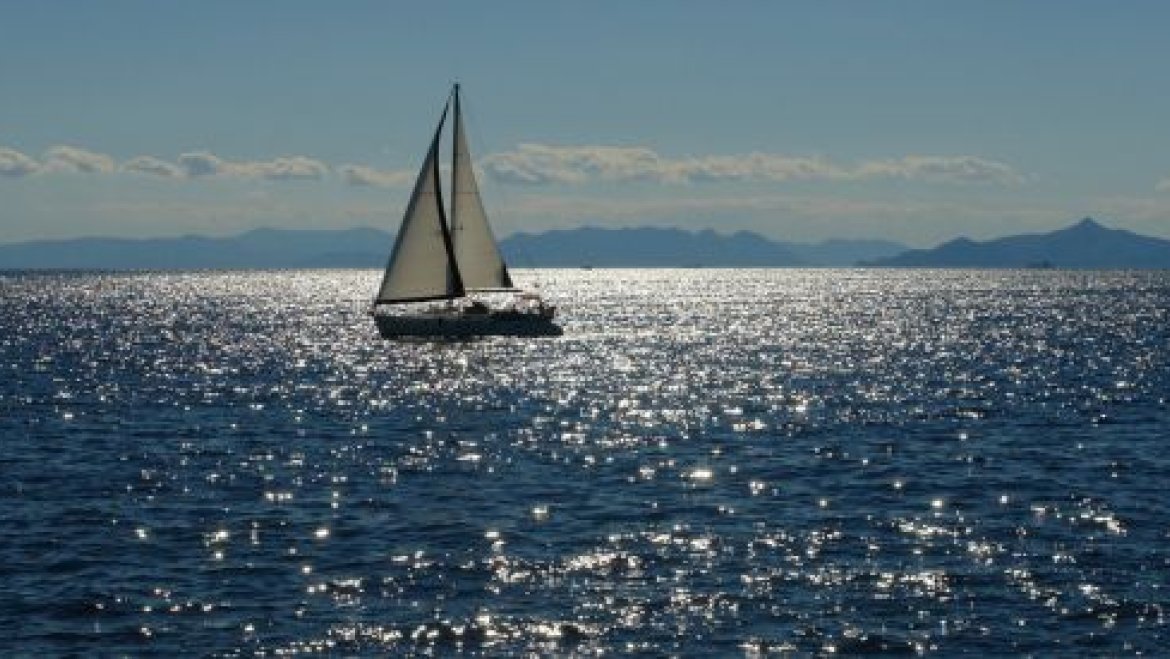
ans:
(709, 462)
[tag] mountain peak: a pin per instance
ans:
(1088, 223)
(1086, 244)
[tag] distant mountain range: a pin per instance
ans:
(1086, 244)
(615, 248)
(260, 248)
(370, 248)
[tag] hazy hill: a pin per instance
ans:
(644, 247)
(369, 248)
(1085, 244)
(261, 248)
(650, 247)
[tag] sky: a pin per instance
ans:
(915, 121)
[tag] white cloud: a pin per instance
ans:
(287, 168)
(14, 164)
(73, 159)
(153, 166)
(362, 175)
(539, 164)
(966, 169)
(195, 164)
(543, 164)
(203, 163)
(752, 166)
(1163, 185)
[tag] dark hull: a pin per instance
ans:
(393, 326)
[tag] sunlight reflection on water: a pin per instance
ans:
(737, 461)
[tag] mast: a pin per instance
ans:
(454, 278)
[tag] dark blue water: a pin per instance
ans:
(708, 462)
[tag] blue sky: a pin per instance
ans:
(916, 121)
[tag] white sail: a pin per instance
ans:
(479, 261)
(421, 266)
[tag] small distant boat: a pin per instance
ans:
(456, 262)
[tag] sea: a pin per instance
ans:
(742, 463)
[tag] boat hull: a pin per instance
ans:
(395, 326)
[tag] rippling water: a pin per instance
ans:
(709, 461)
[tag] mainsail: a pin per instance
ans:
(422, 265)
(480, 263)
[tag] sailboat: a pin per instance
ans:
(453, 264)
